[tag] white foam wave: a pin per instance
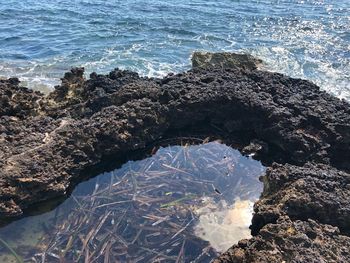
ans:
(331, 79)
(32, 75)
(44, 75)
(135, 59)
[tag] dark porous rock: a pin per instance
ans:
(302, 133)
(292, 241)
(313, 191)
(16, 101)
(224, 60)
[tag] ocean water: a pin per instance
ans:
(40, 40)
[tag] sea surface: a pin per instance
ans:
(40, 40)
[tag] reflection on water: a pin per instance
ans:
(185, 203)
(224, 225)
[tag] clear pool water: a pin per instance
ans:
(183, 204)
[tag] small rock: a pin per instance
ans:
(207, 60)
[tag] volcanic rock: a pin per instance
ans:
(299, 131)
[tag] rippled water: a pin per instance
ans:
(183, 204)
(39, 40)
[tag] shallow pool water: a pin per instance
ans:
(184, 203)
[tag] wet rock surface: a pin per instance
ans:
(207, 60)
(302, 133)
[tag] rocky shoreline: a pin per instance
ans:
(299, 131)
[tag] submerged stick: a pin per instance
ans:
(8, 247)
(181, 255)
(183, 229)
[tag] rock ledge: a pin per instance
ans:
(300, 132)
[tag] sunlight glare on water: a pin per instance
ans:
(40, 40)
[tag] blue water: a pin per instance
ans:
(40, 40)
